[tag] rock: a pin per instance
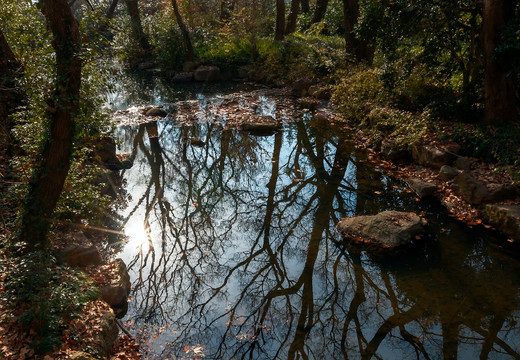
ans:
(301, 86)
(431, 156)
(423, 189)
(263, 125)
(207, 73)
(389, 229)
(80, 355)
(182, 77)
(145, 65)
(156, 111)
(197, 142)
(392, 151)
(505, 218)
(462, 163)
(470, 189)
(502, 193)
(453, 148)
(320, 116)
(308, 103)
(104, 149)
(189, 66)
(319, 92)
(447, 173)
(116, 294)
(104, 339)
(155, 71)
(126, 160)
(80, 255)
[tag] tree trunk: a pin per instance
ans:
(319, 11)
(499, 86)
(305, 6)
(361, 50)
(47, 180)
(293, 17)
(184, 31)
(280, 20)
(10, 94)
(137, 27)
(112, 9)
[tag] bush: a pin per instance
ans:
(404, 127)
(500, 144)
(46, 296)
(359, 90)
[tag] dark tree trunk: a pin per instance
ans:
(293, 17)
(47, 180)
(112, 9)
(499, 86)
(10, 94)
(360, 49)
(184, 31)
(136, 26)
(224, 10)
(319, 11)
(305, 6)
(109, 15)
(280, 20)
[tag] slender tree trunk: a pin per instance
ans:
(112, 9)
(305, 6)
(10, 94)
(359, 48)
(47, 181)
(280, 20)
(319, 11)
(184, 31)
(499, 86)
(293, 17)
(136, 26)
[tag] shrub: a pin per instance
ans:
(358, 91)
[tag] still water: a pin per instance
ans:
(233, 252)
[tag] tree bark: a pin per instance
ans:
(47, 180)
(319, 11)
(10, 94)
(293, 17)
(280, 20)
(137, 27)
(184, 31)
(112, 9)
(361, 49)
(499, 86)
(305, 6)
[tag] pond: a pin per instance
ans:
(232, 249)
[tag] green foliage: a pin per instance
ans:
(500, 144)
(46, 296)
(404, 127)
(359, 90)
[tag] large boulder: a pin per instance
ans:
(505, 218)
(300, 87)
(502, 193)
(309, 103)
(80, 252)
(389, 229)
(116, 293)
(261, 125)
(182, 77)
(422, 188)
(432, 156)
(105, 337)
(392, 151)
(207, 73)
(470, 189)
(319, 91)
(104, 153)
(447, 173)
(156, 111)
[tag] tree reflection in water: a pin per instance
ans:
(233, 254)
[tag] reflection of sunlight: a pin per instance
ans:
(137, 235)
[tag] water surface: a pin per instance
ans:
(233, 253)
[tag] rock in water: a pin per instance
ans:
(156, 112)
(423, 189)
(389, 229)
(471, 190)
(505, 218)
(116, 293)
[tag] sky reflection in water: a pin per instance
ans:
(233, 254)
